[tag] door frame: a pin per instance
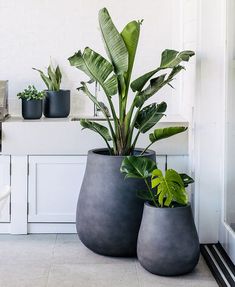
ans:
(226, 233)
(209, 118)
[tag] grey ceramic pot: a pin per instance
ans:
(31, 109)
(57, 104)
(109, 212)
(168, 243)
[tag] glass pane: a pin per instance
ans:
(230, 135)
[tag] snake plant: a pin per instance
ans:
(52, 79)
(114, 76)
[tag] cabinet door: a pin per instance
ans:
(54, 185)
(4, 183)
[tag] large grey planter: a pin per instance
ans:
(168, 243)
(108, 211)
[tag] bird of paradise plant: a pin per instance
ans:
(114, 77)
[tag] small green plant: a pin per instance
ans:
(162, 190)
(52, 79)
(31, 93)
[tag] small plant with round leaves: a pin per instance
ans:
(31, 93)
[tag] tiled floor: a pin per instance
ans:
(62, 261)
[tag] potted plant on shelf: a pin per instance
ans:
(31, 103)
(167, 242)
(57, 101)
(108, 217)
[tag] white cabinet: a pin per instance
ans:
(4, 181)
(53, 187)
(45, 190)
(54, 183)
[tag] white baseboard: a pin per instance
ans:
(5, 227)
(52, 228)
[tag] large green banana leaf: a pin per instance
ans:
(130, 35)
(164, 133)
(169, 60)
(172, 58)
(97, 68)
(114, 43)
(155, 85)
(98, 128)
(138, 84)
(149, 116)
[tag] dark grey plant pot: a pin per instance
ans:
(57, 104)
(31, 109)
(168, 243)
(109, 212)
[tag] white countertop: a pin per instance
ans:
(74, 118)
(63, 136)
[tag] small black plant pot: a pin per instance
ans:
(31, 109)
(57, 104)
(168, 243)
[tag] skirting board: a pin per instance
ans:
(5, 228)
(52, 228)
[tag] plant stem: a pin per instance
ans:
(146, 149)
(109, 147)
(115, 119)
(132, 126)
(151, 193)
(135, 140)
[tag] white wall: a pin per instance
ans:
(189, 24)
(33, 31)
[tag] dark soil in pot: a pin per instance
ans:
(108, 212)
(31, 109)
(168, 243)
(57, 104)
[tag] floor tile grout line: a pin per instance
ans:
(52, 259)
(137, 273)
(48, 275)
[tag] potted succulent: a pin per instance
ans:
(108, 218)
(31, 102)
(57, 101)
(168, 243)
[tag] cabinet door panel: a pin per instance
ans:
(4, 181)
(54, 185)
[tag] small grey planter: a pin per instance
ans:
(109, 212)
(57, 104)
(168, 243)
